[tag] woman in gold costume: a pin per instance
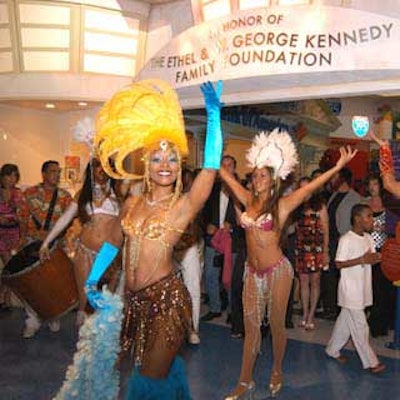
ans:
(146, 118)
(268, 273)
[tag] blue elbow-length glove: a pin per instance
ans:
(103, 260)
(214, 141)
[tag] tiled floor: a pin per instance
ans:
(34, 368)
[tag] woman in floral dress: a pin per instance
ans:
(312, 255)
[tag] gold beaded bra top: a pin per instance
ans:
(154, 228)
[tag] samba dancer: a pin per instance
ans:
(268, 273)
(147, 117)
(97, 208)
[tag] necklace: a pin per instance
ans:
(152, 203)
(100, 193)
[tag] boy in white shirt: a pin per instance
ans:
(354, 256)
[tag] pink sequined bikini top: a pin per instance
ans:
(263, 222)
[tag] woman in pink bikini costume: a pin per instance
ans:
(268, 273)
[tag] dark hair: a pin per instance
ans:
(346, 175)
(9, 169)
(46, 164)
(314, 203)
(229, 157)
(196, 171)
(304, 179)
(272, 204)
(373, 176)
(317, 171)
(86, 194)
(187, 173)
(357, 210)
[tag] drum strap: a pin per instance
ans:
(50, 211)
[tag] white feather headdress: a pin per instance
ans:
(273, 149)
(84, 132)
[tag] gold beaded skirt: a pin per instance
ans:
(157, 317)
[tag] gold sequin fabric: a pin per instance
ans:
(158, 315)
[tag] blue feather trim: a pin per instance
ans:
(174, 387)
(93, 373)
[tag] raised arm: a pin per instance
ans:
(204, 181)
(65, 219)
(386, 165)
(241, 193)
(293, 200)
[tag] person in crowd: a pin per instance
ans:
(218, 214)
(340, 203)
(10, 198)
(325, 190)
(235, 317)
(97, 207)
(187, 254)
(287, 243)
(146, 118)
(268, 274)
(354, 257)
(40, 208)
(384, 293)
(312, 252)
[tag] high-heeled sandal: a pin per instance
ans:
(247, 394)
(302, 323)
(275, 384)
(310, 326)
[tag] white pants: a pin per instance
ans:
(32, 319)
(352, 323)
(191, 272)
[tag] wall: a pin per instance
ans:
(365, 106)
(33, 137)
(237, 149)
(166, 21)
(163, 23)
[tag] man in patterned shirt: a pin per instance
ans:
(39, 210)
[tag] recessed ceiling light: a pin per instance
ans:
(50, 105)
(82, 104)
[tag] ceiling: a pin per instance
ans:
(60, 105)
(73, 105)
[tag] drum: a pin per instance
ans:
(48, 287)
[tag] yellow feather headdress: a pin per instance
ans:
(135, 119)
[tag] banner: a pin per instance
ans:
(276, 41)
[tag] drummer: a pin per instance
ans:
(41, 206)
